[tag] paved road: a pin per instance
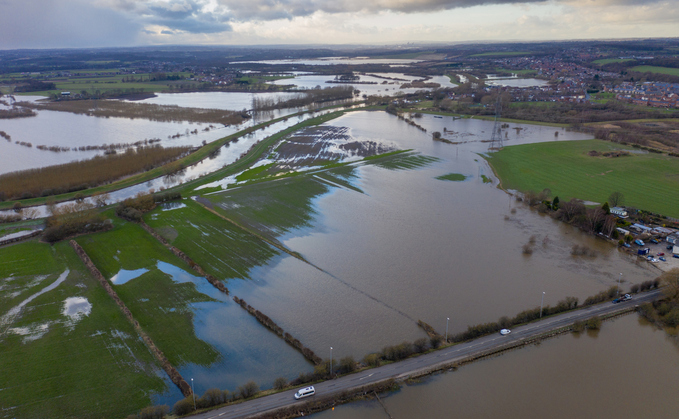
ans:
(413, 366)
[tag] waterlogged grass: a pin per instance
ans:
(654, 69)
(220, 247)
(647, 181)
(161, 306)
(255, 172)
(91, 367)
(405, 161)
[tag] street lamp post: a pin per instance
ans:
(541, 303)
(619, 281)
(447, 319)
(194, 395)
(331, 362)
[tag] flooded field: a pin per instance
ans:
(627, 370)
(379, 86)
(401, 245)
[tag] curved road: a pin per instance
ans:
(418, 365)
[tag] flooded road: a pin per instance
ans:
(627, 370)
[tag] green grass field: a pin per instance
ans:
(161, 306)
(452, 177)
(648, 181)
(654, 69)
(221, 248)
(605, 61)
(54, 366)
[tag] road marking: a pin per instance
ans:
(367, 376)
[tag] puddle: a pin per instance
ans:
(14, 312)
(76, 308)
(124, 275)
(32, 332)
(169, 206)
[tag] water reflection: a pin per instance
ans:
(628, 371)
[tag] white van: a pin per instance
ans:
(305, 392)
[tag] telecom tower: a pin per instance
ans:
(496, 138)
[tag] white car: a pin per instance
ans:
(505, 332)
(305, 392)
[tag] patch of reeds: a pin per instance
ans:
(134, 110)
(75, 176)
(17, 112)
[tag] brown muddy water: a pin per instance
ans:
(628, 370)
(414, 247)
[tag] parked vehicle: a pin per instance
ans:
(626, 297)
(662, 258)
(675, 256)
(654, 241)
(638, 242)
(661, 253)
(505, 332)
(643, 251)
(626, 245)
(305, 392)
(669, 246)
(616, 301)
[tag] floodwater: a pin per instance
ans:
(382, 86)
(516, 82)
(247, 350)
(627, 370)
(412, 247)
(63, 129)
(227, 154)
(336, 60)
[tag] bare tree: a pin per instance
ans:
(609, 224)
(616, 199)
(593, 216)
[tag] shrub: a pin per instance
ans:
(578, 326)
(372, 360)
(183, 406)
(420, 345)
(248, 389)
(346, 365)
(154, 412)
(634, 289)
(280, 383)
(435, 341)
(213, 397)
(594, 323)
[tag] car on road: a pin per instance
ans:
(616, 301)
(505, 332)
(305, 392)
(626, 297)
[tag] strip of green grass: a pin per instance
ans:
(605, 61)
(221, 248)
(95, 367)
(161, 306)
(648, 181)
(654, 69)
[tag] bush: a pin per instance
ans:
(280, 383)
(578, 326)
(594, 323)
(346, 365)
(183, 406)
(372, 360)
(420, 345)
(435, 341)
(248, 389)
(154, 412)
(213, 397)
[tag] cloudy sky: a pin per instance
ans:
(105, 23)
